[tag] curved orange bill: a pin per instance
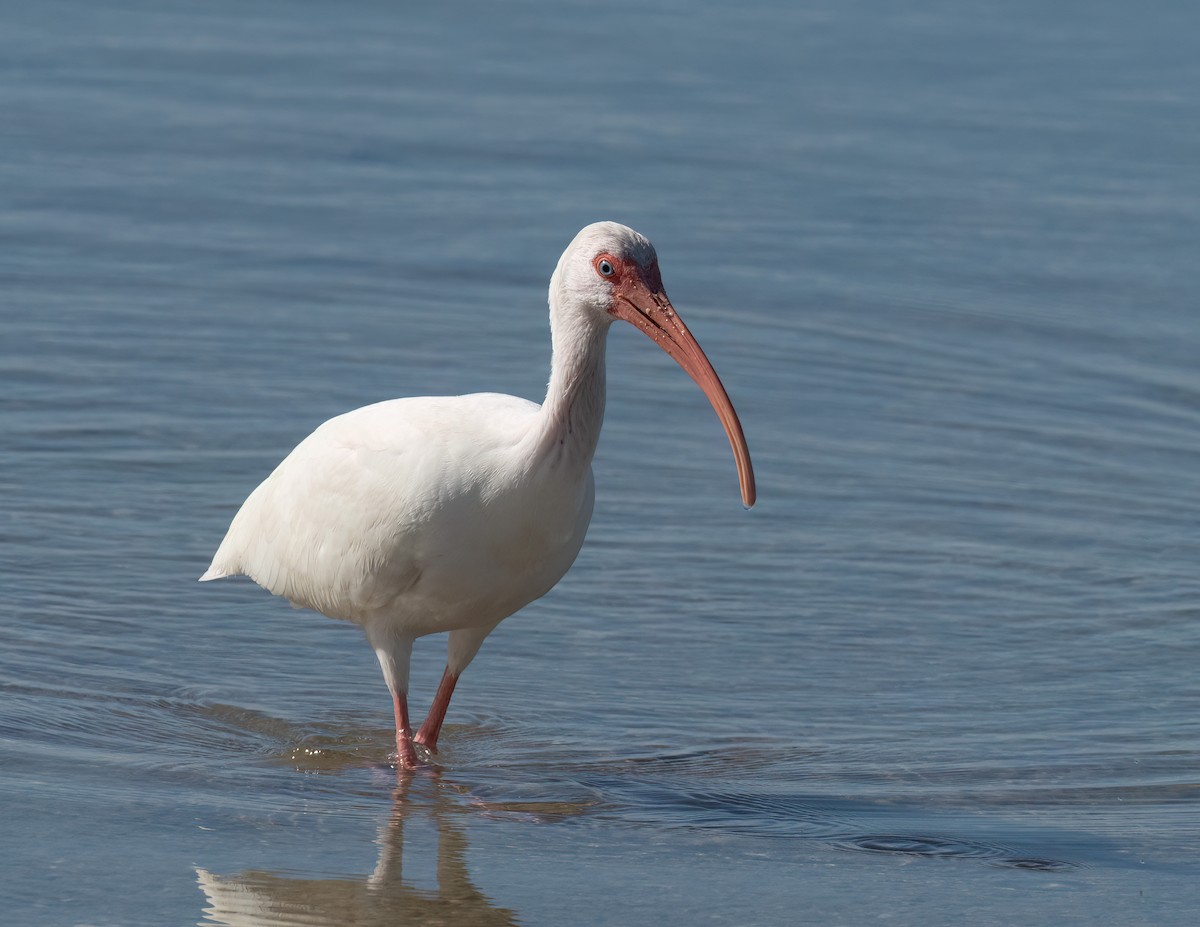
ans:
(649, 309)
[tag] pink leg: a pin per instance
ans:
(406, 756)
(428, 735)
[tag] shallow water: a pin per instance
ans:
(944, 260)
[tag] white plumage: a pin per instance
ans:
(415, 516)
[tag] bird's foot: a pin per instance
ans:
(426, 741)
(406, 755)
(421, 759)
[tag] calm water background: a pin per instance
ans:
(944, 256)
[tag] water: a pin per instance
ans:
(945, 260)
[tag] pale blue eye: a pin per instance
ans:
(605, 268)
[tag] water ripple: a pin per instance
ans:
(950, 848)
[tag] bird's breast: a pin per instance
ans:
(500, 551)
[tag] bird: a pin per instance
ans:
(431, 514)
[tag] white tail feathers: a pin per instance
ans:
(213, 573)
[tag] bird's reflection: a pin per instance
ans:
(263, 899)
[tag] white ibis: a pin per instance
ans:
(450, 513)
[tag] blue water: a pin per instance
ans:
(944, 258)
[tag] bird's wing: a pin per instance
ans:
(340, 525)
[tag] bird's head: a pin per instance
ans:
(603, 262)
(610, 272)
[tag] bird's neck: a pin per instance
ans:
(574, 408)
